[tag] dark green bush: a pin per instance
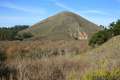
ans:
(99, 38)
(116, 28)
(24, 35)
(104, 35)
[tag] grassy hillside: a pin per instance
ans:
(103, 59)
(106, 56)
(62, 26)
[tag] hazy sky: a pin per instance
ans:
(14, 12)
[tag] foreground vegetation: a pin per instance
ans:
(103, 75)
(102, 63)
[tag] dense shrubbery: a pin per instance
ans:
(115, 28)
(99, 38)
(103, 75)
(104, 35)
(24, 35)
(11, 33)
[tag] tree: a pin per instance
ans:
(112, 25)
(104, 35)
(99, 38)
(24, 35)
(10, 33)
(116, 28)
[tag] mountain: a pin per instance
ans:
(61, 34)
(64, 25)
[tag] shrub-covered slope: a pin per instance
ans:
(101, 63)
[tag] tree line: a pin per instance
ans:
(105, 34)
(11, 33)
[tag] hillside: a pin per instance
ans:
(64, 25)
(105, 57)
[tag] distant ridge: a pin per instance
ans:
(63, 26)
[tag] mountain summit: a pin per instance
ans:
(64, 25)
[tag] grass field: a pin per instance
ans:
(101, 63)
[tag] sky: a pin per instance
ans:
(29, 12)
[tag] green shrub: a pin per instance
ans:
(99, 38)
(116, 28)
(102, 75)
(97, 75)
(104, 35)
(24, 35)
(115, 74)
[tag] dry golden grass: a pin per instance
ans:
(61, 67)
(57, 68)
(34, 49)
